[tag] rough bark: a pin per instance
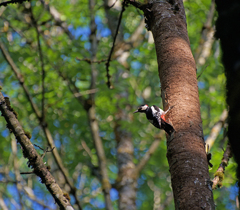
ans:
(177, 71)
(228, 30)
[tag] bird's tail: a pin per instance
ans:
(167, 127)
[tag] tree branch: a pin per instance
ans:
(207, 38)
(124, 4)
(219, 175)
(20, 79)
(43, 123)
(102, 163)
(126, 180)
(2, 203)
(34, 159)
(216, 129)
(141, 164)
(57, 17)
(41, 60)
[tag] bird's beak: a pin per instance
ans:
(135, 111)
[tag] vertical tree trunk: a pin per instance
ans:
(91, 112)
(126, 182)
(177, 71)
(228, 30)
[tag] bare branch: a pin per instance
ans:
(20, 79)
(34, 159)
(216, 129)
(86, 148)
(207, 38)
(90, 61)
(149, 153)
(29, 172)
(20, 183)
(114, 40)
(202, 72)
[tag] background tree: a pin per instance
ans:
(66, 103)
(228, 32)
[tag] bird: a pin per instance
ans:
(156, 116)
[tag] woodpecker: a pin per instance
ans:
(156, 116)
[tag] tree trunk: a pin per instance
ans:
(177, 71)
(228, 30)
(126, 182)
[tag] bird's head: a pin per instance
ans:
(142, 108)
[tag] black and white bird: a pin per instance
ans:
(156, 116)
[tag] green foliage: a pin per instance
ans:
(66, 118)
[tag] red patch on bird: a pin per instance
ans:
(163, 117)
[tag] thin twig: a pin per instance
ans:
(38, 147)
(202, 71)
(90, 61)
(114, 40)
(30, 172)
(45, 151)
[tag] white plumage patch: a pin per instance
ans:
(144, 107)
(154, 111)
